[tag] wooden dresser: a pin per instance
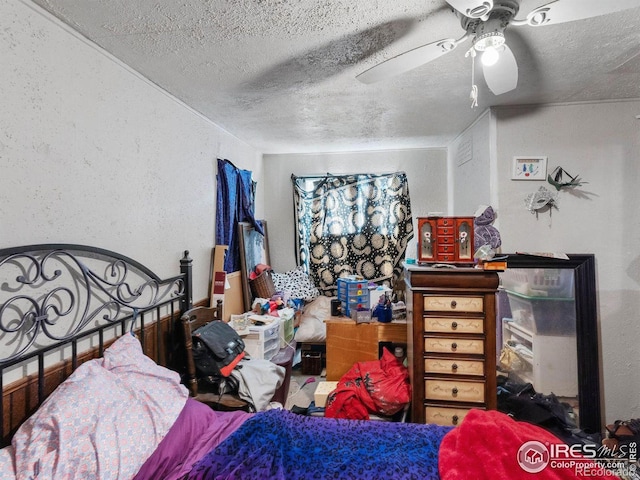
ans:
(451, 342)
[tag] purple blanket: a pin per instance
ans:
(278, 444)
(196, 431)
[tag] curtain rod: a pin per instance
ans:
(328, 174)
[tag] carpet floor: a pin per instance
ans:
(301, 388)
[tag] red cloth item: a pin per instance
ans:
(487, 444)
(226, 370)
(261, 267)
(379, 386)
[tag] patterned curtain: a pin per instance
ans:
(352, 224)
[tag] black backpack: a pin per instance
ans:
(217, 349)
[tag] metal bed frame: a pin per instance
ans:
(53, 296)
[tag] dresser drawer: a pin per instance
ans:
(446, 249)
(454, 345)
(453, 366)
(453, 304)
(445, 415)
(445, 222)
(445, 239)
(453, 325)
(454, 390)
(446, 230)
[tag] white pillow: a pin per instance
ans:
(312, 327)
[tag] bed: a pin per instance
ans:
(117, 413)
(63, 304)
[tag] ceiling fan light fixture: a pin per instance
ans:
(490, 56)
(489, 40)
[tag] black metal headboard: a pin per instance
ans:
(56, 296)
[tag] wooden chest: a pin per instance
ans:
(445, 240)
(451, 339)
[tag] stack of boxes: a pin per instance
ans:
(359, 299)
(539, 338)
(264, 341)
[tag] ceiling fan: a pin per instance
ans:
(485, 21)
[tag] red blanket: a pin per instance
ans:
(491, 445)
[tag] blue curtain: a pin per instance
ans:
(234, 203)
(352, 224)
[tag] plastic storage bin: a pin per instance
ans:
(539, 282)
(353, 295)
(543, 316)
(263, 341)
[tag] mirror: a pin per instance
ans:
(547, 330)
(254, 250)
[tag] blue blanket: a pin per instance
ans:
(278, 444)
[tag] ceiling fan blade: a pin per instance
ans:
(472, 8)
(503, 76)
(409, 60)
(561, 11)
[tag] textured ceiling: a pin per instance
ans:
(280, 74)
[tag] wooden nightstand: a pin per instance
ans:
(348, 342)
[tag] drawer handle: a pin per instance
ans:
(454, 392)
(454, 420)
(454, 345)
(454, 367)
(454, 325)
(454, 304)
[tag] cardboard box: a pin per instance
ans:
(322, 392)
(233, 296)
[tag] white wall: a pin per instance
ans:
(471, 170)
(600, 142)
(92, 153)
(426, 171)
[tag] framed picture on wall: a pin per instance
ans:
(529, 168)
(254, 250)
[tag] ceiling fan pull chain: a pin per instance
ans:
(474, 88)
(474, 96)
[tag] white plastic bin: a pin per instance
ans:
(263, 342)
(539, 282)
(543, 316)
